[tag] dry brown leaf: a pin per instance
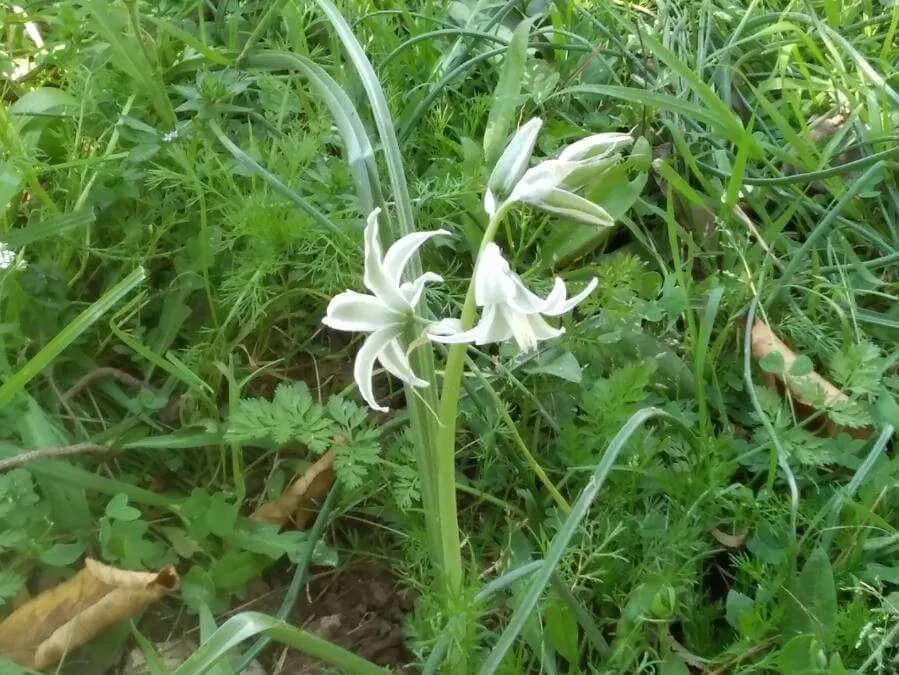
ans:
(297, 503)
(764, 341)
(43, 630)
(729, 540)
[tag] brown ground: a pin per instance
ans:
(359, 608)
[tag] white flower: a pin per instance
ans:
(510, 310)
(9, 258)
(511, 165)
(170, 136)
(550, 184)
(387, 312)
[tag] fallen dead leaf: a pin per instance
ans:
(764, 341)
(810, 392)
(39, 633)
(729, 540)
(297, 503)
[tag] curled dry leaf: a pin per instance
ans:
(39, 633)
(298, 502)
(764, 341)
(811, 391)
(730, 540)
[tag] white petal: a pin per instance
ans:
(494, 326)
(493, 282)
(523, 300)
(521, 330)
(560, 305)
(539, 181)
(403, 249)
(351, 311)
(412, 290)
(490, 204)
(446, 326)
(365, 363)
(597, 145)
(512, 163)
(376, 278)
(556, 296)
(541, 329)
(397, 364)
(491, 328)
(573, 206)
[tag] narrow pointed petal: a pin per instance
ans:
(539, 181)
(352, 311)
(597, 145)
(512, 163)
(570, 205)
(491, 328)
(375, 277)
(364, 366)
(521, 329)
(560, 306)
(541, 329)
(446, 326)
(493, 282)
(556, 296)
(494, 326)
(490, 203)
(399, 254)
(412, 290)
(397, 364)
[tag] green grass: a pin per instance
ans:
(758, 540)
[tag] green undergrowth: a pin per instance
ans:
(187, 206)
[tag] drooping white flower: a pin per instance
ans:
(511, 165)
(9, 258)
(510, 310)
(550, 184)
(387, 312)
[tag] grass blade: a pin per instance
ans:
(383, 121)
(49, 227)
(507, 93)
(247, 624)
(68, 335)
(360, 154)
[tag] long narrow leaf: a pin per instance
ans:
(507, 93)
(383, 121)
(247, 624)
(68, 335)
(49, 227)
(360, 154)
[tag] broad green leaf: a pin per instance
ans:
(42, 102)
(561, 630)
(812, 599)
(561, 364)
(802, 366)
(736, 605)
(61, 555)
(507, 95)
(772, 362)
(118, 509)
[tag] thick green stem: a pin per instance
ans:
(445, 446)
